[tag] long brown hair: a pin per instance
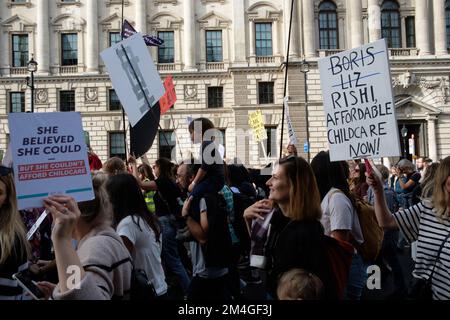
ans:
(304, 203)
(441, 198)
(11, 224)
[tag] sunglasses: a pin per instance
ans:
(4, 171)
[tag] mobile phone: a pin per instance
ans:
(25, 281)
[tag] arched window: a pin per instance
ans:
(328, 29)
(390, 24)
(447, 21)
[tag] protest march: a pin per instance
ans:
(362, 212)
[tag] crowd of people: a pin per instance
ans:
(203, 230)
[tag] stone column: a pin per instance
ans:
(43, 42)
(141, 16)
(92, 36)
(275, 37)
(293, 47)
(239, 55)
(189, 35)
(356, 22)
(403, 32)
(309, 29)
(374, 16)
(422, 27)
(432, 146)
(251, 38)
(440, 32)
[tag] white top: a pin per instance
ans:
(339, 214)
(147, 252)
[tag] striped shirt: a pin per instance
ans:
(420, 223)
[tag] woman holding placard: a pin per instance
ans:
(428, 223)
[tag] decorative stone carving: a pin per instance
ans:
(190, 92)
(408, 79)
(91, 94)
(41, 96)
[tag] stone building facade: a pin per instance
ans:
(226, 57)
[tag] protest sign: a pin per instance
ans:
(292, 136)
(128, 31)
(255, 120)
(358, 103)
(170, 97)
(49, 157)
(134, 76)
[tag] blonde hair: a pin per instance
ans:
(299, 284)
(11, 224)
(441, 198)
(304, 196)
(99, 210)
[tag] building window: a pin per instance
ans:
(116, 145)
(114, 37)
(166, 53)
(17, 102)
(215, 97)
(263, 39)
(19, 50)
(67, 100)
(447, 21)
(214, 46)
(410, 32)
(390, 23)
(270, 144)
(328, 30)
(69, 45)
(166, 144)
(265, 92)
(114, 102)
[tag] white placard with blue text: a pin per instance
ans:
(358, 103)
(134, 76)
(49, 157)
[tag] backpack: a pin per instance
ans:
(140, 288)
(240, 203)
(373, 234)
(217, 249)
(340, 255)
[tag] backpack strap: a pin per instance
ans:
(109, 268)
(437, 257)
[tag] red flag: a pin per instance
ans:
(170, 97)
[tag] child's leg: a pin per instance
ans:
(201, 189)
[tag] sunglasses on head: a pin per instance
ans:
(4, 171)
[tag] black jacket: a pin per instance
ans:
(298, 244)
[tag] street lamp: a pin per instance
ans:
(304, 68)
(32, 68)
(404, 132)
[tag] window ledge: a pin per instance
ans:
(403, 52)
(60, 3)
(114, 2)
(18, 4)
(328, 52)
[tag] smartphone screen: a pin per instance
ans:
(25, 281)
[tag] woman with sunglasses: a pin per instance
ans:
(295, 237)
(14, 247)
